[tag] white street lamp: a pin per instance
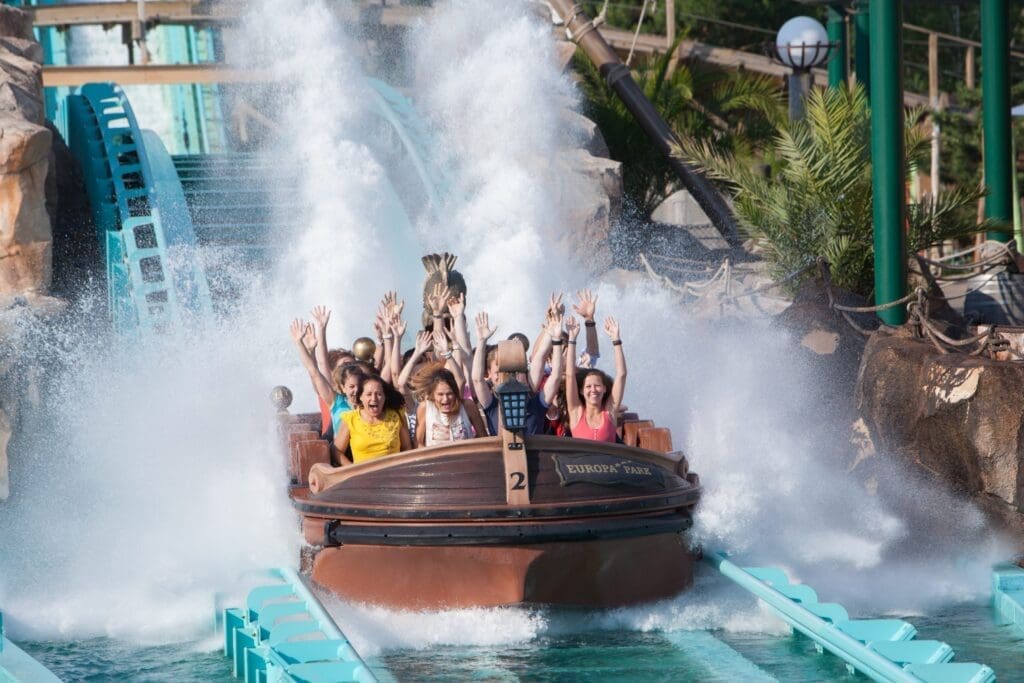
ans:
(801, 44)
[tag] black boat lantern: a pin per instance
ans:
(513, 395)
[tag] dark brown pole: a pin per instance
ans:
(616, 74)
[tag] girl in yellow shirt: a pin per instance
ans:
(377, 426)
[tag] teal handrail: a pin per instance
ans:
(855, 653)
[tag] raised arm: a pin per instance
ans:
(321, 315)
(557, 360)
(397, 327)
(572, 398)
(585, 307)
(611, 328)
(484, 331)
(380, 352)
(436, 300)
(443, 349)
(542, 345)
(323, 387)
(457, 307)
(423, 342)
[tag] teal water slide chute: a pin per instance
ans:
(142, 221)
(173, 229)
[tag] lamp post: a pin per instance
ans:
(801, 44)
(513, 397)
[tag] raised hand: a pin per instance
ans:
(611, 328)
(572, 326)
(423, 341)
(441, 345)
(554, 327)
(298, 329)
(586, 304)
(484, 331)
(390, 304)
(437, 298)
(397, 326)
(320, 315)
(309, 337)
(457, 305)
(555, 305)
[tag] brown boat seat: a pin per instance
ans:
(631, 429)
(682, 464)
(655, 439)
(305, 454)
(304, 435)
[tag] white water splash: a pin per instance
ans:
(178, 491)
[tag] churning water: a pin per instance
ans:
(151, 483)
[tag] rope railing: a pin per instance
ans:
(917, 302)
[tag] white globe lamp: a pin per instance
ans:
(802, 43)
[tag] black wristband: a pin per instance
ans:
(571, 341)
(590, 323)
(617, 342)
(556, 342)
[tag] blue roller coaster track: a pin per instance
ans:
(169, 226)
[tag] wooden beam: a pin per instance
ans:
(158, 11)
(720, 56)
(201, 11)
(150, 74)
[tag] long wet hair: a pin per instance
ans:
(341, 374)
(581, 377)
(440, 376)
(393, 399)
(420, 381)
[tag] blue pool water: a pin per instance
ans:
(600, 655)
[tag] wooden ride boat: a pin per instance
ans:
(431, 528)
(500, 520)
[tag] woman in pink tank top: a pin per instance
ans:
(592, 397)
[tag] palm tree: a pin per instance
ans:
(729, 111)
(817, 202)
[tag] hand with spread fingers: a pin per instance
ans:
(437, 299)
(611, 328)
(586, 304)
(572, 326)
(484, 331)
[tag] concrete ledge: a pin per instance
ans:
(1008, 593)
(17, 665)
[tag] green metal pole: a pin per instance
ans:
(862, 45)
(888, 157)
(837, 36)
(995, 105)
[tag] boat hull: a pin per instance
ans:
(610, 572)
(605, 526)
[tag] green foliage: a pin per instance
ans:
(734, 112)
(692, 18)
(818, 204)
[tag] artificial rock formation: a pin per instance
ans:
(25, 233)
(958, 418)
(590, 183)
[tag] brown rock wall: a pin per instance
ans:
(959, 418)
(25, 232)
